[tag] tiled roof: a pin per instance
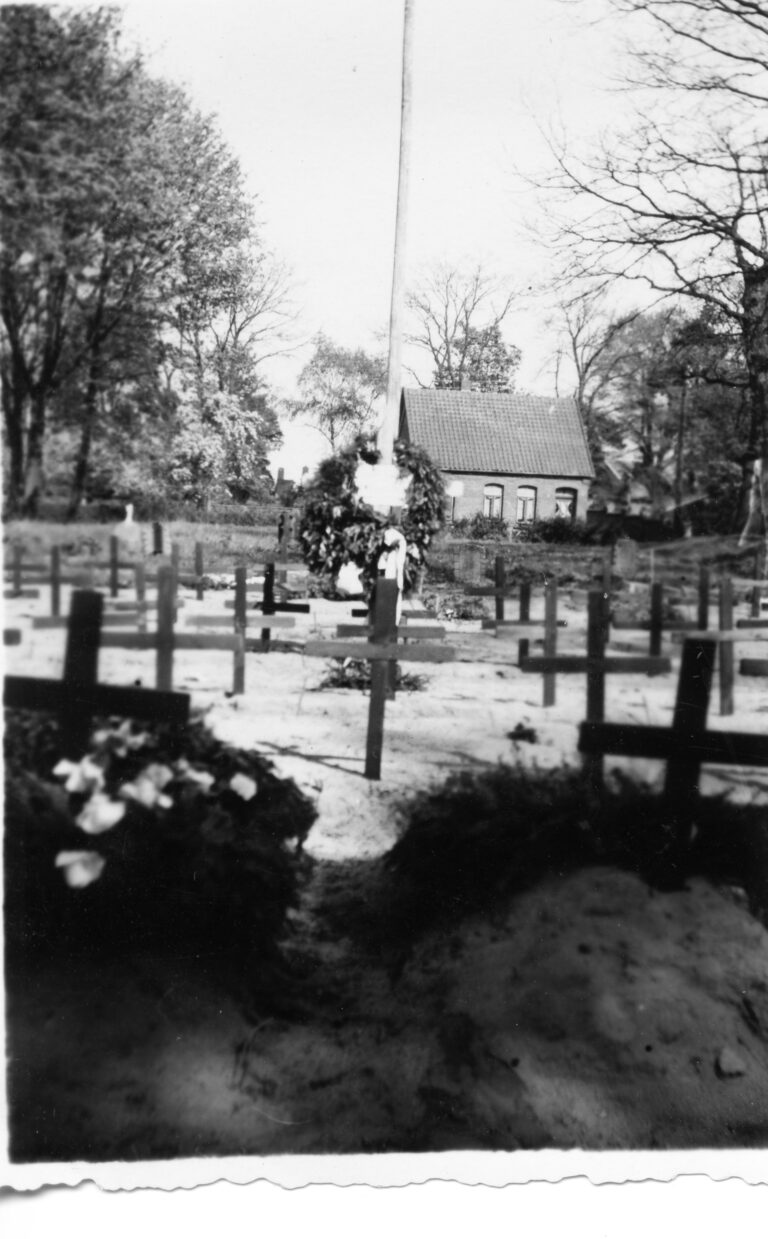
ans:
(480, 432)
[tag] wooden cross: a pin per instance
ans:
(726, 638)
(687, 745)
(52, 574)
(657, 626)
(550, 642)
(381, 650)
(165, 641)
(595, 663)
(78, 696)
(268, 605)
(242, 617)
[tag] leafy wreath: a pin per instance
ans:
(338, 527)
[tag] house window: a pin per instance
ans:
(493, 499)
(526, 504)
(565, 503)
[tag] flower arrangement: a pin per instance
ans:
(158, 838)
(339, 527)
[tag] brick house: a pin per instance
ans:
(511, 455)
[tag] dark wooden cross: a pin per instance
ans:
(381, 651)
(500, 591)
(687, 745)
(550, 643)
(726, 638)
(78, 696)
(166, 640)
(55, 575)
(657, 626)
(596, 664)
(269, 605)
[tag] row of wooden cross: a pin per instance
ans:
(384, 643)
(25, 578)
(727, 635)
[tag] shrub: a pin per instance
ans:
(480, 528)
(337, 527)
(166, 839)
(483, 836)
(355, 673)
(555, 529)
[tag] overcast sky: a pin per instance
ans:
(307, 93)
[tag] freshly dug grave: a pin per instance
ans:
(507, 976)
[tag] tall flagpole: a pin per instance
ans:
(388, 429)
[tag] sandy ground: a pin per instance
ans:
(591, 1012)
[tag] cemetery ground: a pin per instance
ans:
(588, 1009)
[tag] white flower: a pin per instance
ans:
(201, 777)
(144, 790)
(244, 786)
(159, 774)
(121, 738)
(82, 776)
(80, 868)
(100, 814)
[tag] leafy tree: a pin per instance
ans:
(672, 392)
(448, 309)
(680, 200)
(120, 204)
(339, 390)
(489, 363)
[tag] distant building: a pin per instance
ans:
(510, 455)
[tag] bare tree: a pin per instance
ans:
(681, 201)
(591, 330)
(457, 320)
